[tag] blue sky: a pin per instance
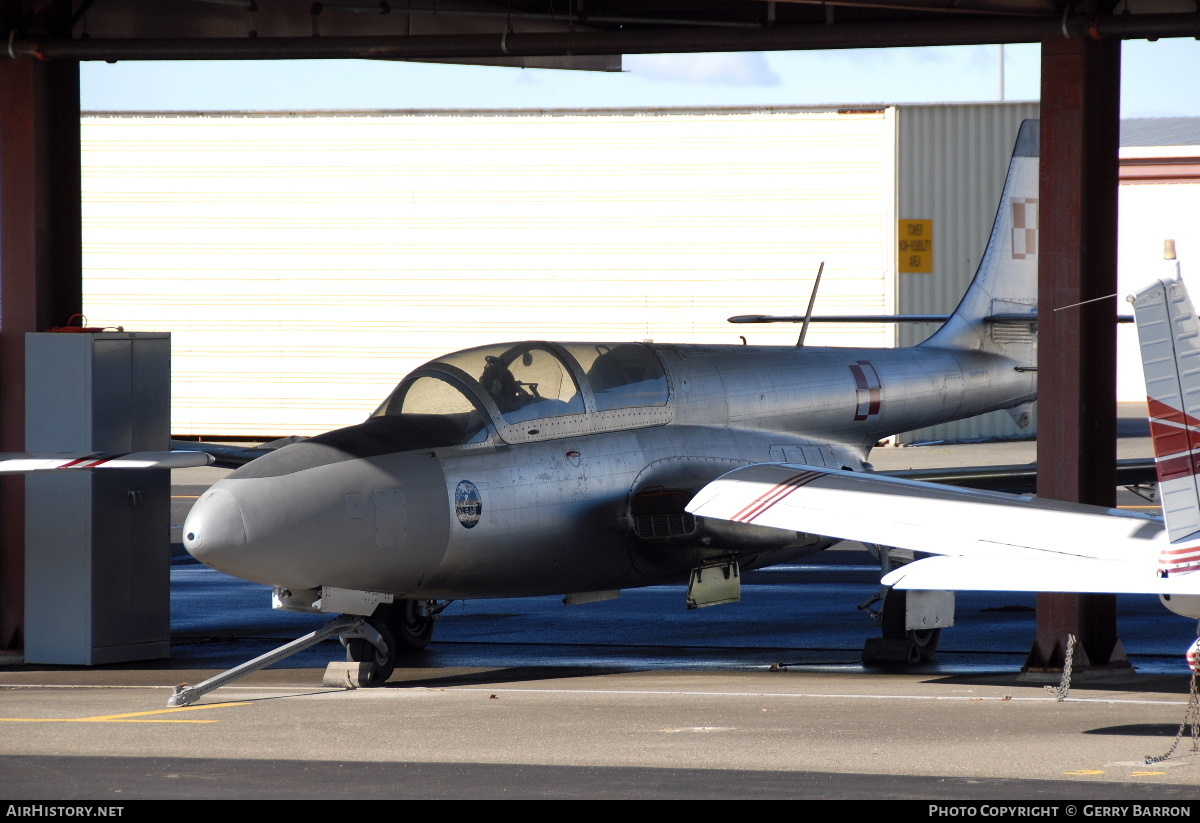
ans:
(1158, 80)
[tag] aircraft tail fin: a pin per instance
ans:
(1169, 336)
(998, 313)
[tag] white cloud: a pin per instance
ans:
(734, 69)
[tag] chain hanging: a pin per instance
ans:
(1191, 716)
(1063, 688)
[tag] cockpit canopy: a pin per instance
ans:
(622, 376)
(432, 396)
(530, 381)
(526, 381)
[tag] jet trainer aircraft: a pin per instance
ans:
(537, 468)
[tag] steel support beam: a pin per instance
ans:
(895, 33)
(40, 269)
(1077, 343)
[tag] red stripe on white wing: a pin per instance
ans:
(772, 496)
(92, 461)
(22, 463)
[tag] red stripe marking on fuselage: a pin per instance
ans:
(772, 496)
(875, 387)
(1180, 560)
(1178, 571)
(869, 394)
(1195, 549)
(860, 386)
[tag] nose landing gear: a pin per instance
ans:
(394, 628)
(372, 643)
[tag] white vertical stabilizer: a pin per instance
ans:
(1169, 336)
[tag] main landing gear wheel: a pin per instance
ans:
(359, 650)
(411, 622)
(924, 641)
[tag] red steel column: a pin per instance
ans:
(40, 269)
(1080, 118)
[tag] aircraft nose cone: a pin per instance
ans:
(214, 527)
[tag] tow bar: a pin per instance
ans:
(186, 695)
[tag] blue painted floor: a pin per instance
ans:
(796, 615)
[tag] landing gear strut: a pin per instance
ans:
(924, 641)
(912, 622)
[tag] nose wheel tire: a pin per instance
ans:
(363, 651)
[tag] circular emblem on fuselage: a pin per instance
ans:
(468, 505)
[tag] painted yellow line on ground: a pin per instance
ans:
(91, 720)
(185, 497)
(169, 711)
(132, 717)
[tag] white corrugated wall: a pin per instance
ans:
(304, 263)
(1152, 212)
(952, 163)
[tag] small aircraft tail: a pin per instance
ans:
(1169, 336)
(998, 313)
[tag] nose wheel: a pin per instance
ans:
(362, 650)
(402, 626)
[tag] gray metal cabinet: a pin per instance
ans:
(97, 568)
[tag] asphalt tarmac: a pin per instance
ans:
(632, 698)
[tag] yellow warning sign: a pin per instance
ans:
(916, 246)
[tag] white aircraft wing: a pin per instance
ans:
(991, 540)
(1037, 574)
(22, 463)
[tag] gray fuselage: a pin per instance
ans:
(538, 468)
